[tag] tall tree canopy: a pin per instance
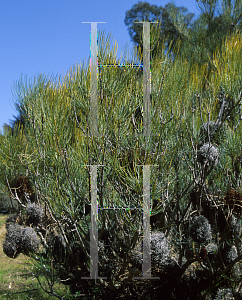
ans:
(143, 11)
(195, 39)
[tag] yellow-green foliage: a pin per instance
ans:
(57, 146)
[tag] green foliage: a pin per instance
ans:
(164, 31)
(57, 150)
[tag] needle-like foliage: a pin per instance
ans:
(190, 173)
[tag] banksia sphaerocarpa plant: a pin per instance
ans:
(66, 162)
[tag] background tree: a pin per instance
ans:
(20, 119)
(143, 11)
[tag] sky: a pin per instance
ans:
(48, 37)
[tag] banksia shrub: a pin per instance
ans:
(34, 213)
(200, 230)
(208, 153)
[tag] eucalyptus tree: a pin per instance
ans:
(165, 31)
(20, 119)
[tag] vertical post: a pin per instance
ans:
(146, 267)
(94, 75)
(146, 78)
(93, 66)
(94, 227)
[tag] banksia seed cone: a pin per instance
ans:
(235, 227)
(209, 132)
(20, 240)
(229, 253)
(34, 213)
(208, 153)
(212, 250)
(159, 248)
(200, 230)
(11, 245)
(30, 242)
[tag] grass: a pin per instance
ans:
(16, 279)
